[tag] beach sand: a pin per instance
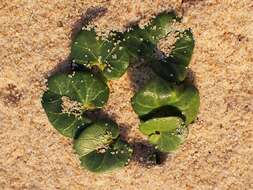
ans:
(35, 39)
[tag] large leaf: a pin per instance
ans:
(133, 41)
(159, 27)
(143, 42)
(137, 39)
(158, 93)
(108, 55)
(166, 133)
(117, 155)
(65, 123)
(174, 67)
(100, 148)
(96, 136)
(82, 87)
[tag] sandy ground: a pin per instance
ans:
(218, 154)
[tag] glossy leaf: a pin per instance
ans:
(96, 136)
(143, 42)
(117, 155)
(100, 148)
(137, 39)
(159, 27)
(133, 41)
(174, 67)
(82, 87)
(108, 55)
(159, 93)
(65, 123)
(166, 133)
(164, 108)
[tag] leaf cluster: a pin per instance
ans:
(166, 105)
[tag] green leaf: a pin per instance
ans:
(116, 156)
(159, 27)
(108, 55)
(143, 42)
(174, 67)
(65, 123)
(138, 40)
(82, 87)
(100, 148)
(166, 133)
(96, 136)
(158, 93)
(133, 41)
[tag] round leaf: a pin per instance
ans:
(96, 136)
(159, 27)
(117, 155)
(82, 87)
(143, 42)
(133, 41)
(174, 67)
(137, 40)
(65, 123)
(108, 55)
(158, 93)
(166, 133)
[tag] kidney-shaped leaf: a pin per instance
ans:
(166, 133)
(81, 87)
(116, 156)
(108, 55)
(159, 27)
(137, 39)
(97, 136)
(143, 42)
(174, 67)
(65, 123)
(159, 93)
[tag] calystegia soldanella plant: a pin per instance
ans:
(166, 105)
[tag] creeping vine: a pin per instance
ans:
(166, 105)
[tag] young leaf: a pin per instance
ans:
(108, 55)
(96, 136)
(82, 87)
(65, 123)
(117, 155)
(174, 67)
(158, 93)
(165, 133)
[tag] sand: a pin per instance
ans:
(218, 153)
